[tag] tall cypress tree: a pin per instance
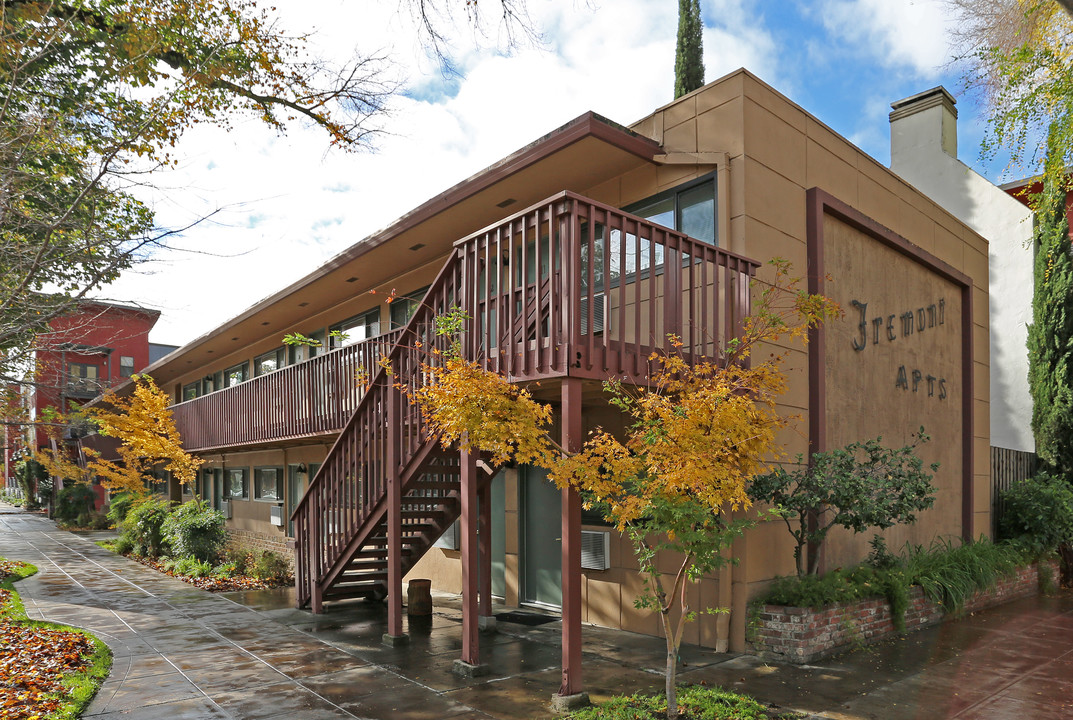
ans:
(689, 55)
(1050, 336)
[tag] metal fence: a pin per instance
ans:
(1008, 467)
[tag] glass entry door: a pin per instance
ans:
(542, 548)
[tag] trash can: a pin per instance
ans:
(419, 598)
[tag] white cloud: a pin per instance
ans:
(895, 33)
(284, 206)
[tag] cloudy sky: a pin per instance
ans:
(281, 206)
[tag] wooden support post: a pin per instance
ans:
(484, 535)
(571, 533)
(471, 652)
(316, 602)
(392, 463)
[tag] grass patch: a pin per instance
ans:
(695, 702)
(47, 671)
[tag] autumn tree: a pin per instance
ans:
(148, 439)
(1019, 54)
(689, 52)
(673, 479)
(95, 96)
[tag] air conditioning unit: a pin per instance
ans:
(599, 313)
(225, 508)
(275, 515)
(595, 550)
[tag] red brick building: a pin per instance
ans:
(84, 352)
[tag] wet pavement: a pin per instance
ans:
(184, 653)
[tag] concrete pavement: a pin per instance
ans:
(182, 653)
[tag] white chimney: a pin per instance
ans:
(924, 120)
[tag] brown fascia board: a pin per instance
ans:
(119, 306)
(589, 124)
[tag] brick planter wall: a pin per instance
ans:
(801, 635)
(249, 541)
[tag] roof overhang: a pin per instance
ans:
(579, 155)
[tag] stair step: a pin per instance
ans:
(414, 514)
(377, 553)
(367, 564)
(347, 577)
(382, 541)
(436, 485)
(369, 590)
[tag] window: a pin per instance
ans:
(212, 383)
(191, 391)
(403, 308)
(358, 328)
(235, 375)
(268, 362)
(689, 208)
(157, 480)
(126, 366)
(237, 483)
(268, 483)
(83, 378)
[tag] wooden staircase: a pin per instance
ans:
(530, 294)
(341, 524)
(430, 504)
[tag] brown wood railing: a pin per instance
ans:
(538, 308)
(572, 286)
(386, 434)
(314, 397)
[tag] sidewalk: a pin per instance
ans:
(184, 653)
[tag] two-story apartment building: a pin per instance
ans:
(574, 257)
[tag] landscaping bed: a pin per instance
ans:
(804, 634)
(239, 572)
(46, 670)
(695, 702)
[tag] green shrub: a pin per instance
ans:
(122, 545)
(74, 503)
(188, 566)
(144, 526)
(863, 485)
(226, 569)
(119, 506)
(192, 567)
(1038, 513)
(268, 565)
(196, 529)
(950, 574)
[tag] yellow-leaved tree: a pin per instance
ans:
(148, 439)
(673, 477)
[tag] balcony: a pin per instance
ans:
(308, 399)
(573, 287)
(568, 287)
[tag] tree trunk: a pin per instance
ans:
(672, 690)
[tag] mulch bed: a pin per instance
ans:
(33, 661)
